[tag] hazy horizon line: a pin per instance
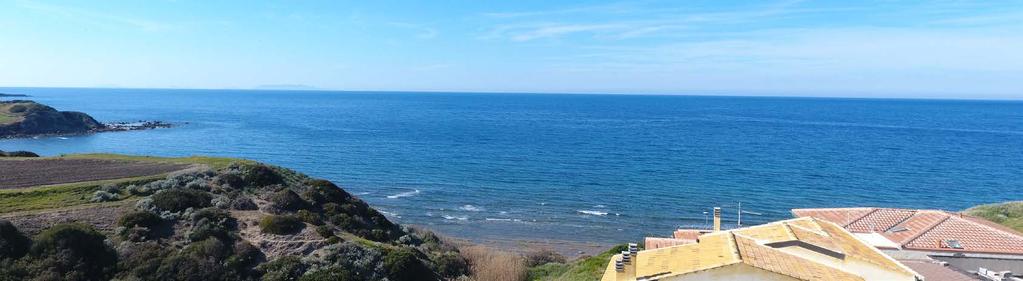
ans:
(694, 93)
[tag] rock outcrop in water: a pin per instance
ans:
(24, 118)
(20, 118)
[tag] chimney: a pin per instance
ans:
(717, 219)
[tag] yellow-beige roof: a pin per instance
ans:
(756, 247)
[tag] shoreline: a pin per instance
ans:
(569, 249)
(140, 125)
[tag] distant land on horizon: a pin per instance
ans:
(307, 88)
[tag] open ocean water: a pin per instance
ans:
(599, 168)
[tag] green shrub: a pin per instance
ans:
(72, 252)
(212, 222)
(323, 191)
(325, 231)
(245, 257)
(17, 108)
(332, 273)
(140, 219)
(402, 265)
(140, 260)
(280, 224)
(542, 257)
(287, 268)
(210, 259)
(258, 175)
(13, 244)
(451, 265)
(309, 217)
(176, 200)
(287, 200)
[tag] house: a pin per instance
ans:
(924, 238)
(796, 249)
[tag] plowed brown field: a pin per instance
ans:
(26, 173)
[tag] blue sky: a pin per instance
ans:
(959, 49)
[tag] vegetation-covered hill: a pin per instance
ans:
(1009, 214)
(214, 219)
(27, 118)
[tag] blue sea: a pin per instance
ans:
(598, 168)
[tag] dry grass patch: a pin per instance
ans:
(488, 264)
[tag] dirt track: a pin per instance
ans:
(26, 173)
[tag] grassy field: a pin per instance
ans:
(1008, 214)
(213, 162)
(586, 269)
(73, 194)
(59, 196)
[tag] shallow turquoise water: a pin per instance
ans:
(581, 167)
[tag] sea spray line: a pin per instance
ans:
(403, 194)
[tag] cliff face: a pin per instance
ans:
(27, 118)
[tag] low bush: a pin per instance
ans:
(71, 252)
(542, 257)
(243, 203)
(330, 274)
(280, 224)
(13, 244)
(325, 231)
(287, 200)
(451, 265)
(140, 219)
(244, 258)
(17, 108)
(258, 175)
(309, 217)
(287, 268)
(139, 261)
(402, 265)
(212, 222)
(176, 200)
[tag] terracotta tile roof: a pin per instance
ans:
(840, 216)
(935, 271)
(764, 247)
(651, 243)
(688, 234)
(972, 236)
(928, 230)
(914, 226)
(879, 220)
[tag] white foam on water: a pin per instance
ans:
(595, 213)
(600, 206)
(470, 208)
(403, 194)
(461, 218)
(389, 214)
(493, 219)
(63, 138)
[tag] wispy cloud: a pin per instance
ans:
(94, 17)
(624, 21)
(422, 31)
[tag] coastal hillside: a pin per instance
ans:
(112, 217)
(1009, 214)
(27, 118)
